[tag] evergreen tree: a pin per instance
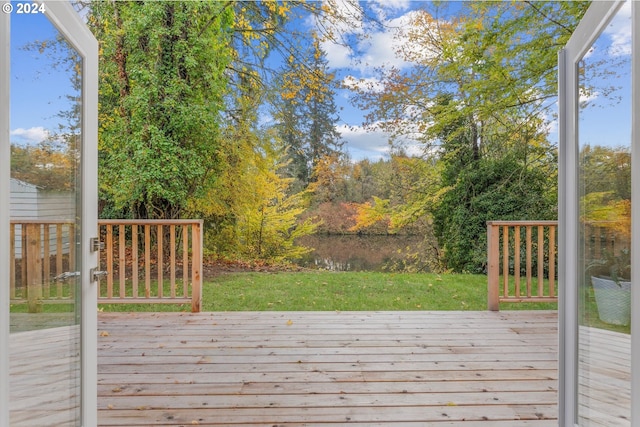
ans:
(306, 112)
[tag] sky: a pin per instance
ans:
(357, 62)
(605, 114)
(38, 89)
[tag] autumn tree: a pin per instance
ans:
(477, 96)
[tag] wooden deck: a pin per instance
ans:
(45, 377)
(466, 369)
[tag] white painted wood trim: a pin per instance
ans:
(589, 29)
(635, 212)
(65, 18)
(5, 175)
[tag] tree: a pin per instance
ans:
(306, 113)
(478, 97)
(251, 213)
(52, 163)
(162, 80)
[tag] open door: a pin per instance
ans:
(48, 150)
(598, 222)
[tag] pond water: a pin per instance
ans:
(365, 253)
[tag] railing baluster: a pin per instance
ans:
(24, 260)
(134, 260)
(516, 260)
(147, 260)
(72, 252)
(46, 262)
(109, 247)
(185, 260)
(159, 261)
(59, 260)
(172, 262)
(540, 261)
(528, 243)
(34, 267)
(122, 261)
(552, 262)
(12, 262)
(505, 260)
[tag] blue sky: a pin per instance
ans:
(38, 91)
(605, 116)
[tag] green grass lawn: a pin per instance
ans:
(331, 291)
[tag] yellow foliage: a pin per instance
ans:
(598, 209)
(368, 213)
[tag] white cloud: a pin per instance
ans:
(619, 30)
(366, 84)
(375, 48)
(373, 144)
(382, 7)
(346, 16)
(338, 56)
(363, 143)
(32, 135)
(382, 48)
(586, 97)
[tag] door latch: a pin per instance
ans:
(96, 274)
(95, 244)
(66, 275)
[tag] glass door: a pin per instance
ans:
(596, 81)
(52, 214)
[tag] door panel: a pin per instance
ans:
(52, 130)
(46, 188)
(595, 218)
(604, 183)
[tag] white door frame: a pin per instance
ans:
(5, 176)
(64, 17)
(589, 29)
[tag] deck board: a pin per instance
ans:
(44, 377)
(318, 368)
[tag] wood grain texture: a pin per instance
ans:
(468, 369)
(318, 368)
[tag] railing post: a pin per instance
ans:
(34, 268)
(196, 265)
(493, 267)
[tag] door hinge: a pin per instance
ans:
(96, 274)
(95, 244)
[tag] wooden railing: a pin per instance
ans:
(521, 262)
(41, 251)
(151, 261)
(146, 262)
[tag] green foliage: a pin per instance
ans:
(162, 68)
(491, 189)
(251, 213)
(487, 79)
